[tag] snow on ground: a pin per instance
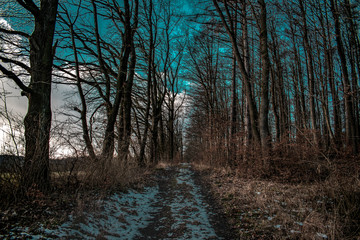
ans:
(173, 209)
(191, 209)
(121, 216)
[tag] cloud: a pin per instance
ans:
(9, 48)
(16, 104)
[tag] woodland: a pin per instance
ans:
(257, 94)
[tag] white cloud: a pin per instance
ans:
(9, 48)
(16, 104)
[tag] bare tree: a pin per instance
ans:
(107, 67)
(349, 119)
(228, 24)
(265, 76)
(38, 118)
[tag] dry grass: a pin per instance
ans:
(88, 174)
(163, 165)
(295, 190)
(77, 186)
(264, 209)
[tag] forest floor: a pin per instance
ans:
(173, 204)
(193, 202)
(269, 209)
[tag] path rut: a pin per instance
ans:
(177, 207)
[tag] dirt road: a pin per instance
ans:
(177, 207)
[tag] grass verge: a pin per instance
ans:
(268, 209)
(73, 192)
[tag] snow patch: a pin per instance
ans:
(277, 226)
(322, 235)
(191, 209)
(121, 217)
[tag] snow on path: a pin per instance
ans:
(191, 209)
(174, 209)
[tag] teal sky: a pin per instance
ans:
(18, 104)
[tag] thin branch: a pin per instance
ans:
(18, 63)
(16, 79)
(7, 31)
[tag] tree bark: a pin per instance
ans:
(150, 69)
(311, 76)
(121, 78)
(349, 119)
(246, 54)
(264, 84)
(38, 118)
(125, 135)
(354, 47)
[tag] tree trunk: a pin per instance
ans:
(310, 69)
(83, 111)
(349, 119)
(234, 100)
(150, 63)
(113, 108)
(38, 118)
(329, 80)
(275, 106)
(353, 51)
(246, 54)
(125, 135)
(264, 85)
(245, 75)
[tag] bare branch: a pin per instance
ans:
(16, 79)
(14, 32)
(18, 63)
(30, 6)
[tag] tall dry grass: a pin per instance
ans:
(304, 192)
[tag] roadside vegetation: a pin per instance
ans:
(305, 197)
(76, 187)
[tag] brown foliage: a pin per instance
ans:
(303, 192)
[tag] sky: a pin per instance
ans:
(17, 104)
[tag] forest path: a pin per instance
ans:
(177, 207)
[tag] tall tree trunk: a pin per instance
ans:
(38, 118)
(310, 70)
(234, 116)
(329, 80)
(150, 69)
(335, 97)
(171, 127)
(354, 47)
(349, 119)
(113, 108)
(125, 135)
(298, 111)
(154, 155)
(275, 106)
(245, 75)
(234, 100)
(264, 85)
(246, 54)
(83, 111)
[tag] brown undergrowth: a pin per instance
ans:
(77, 184)
(300, 197)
